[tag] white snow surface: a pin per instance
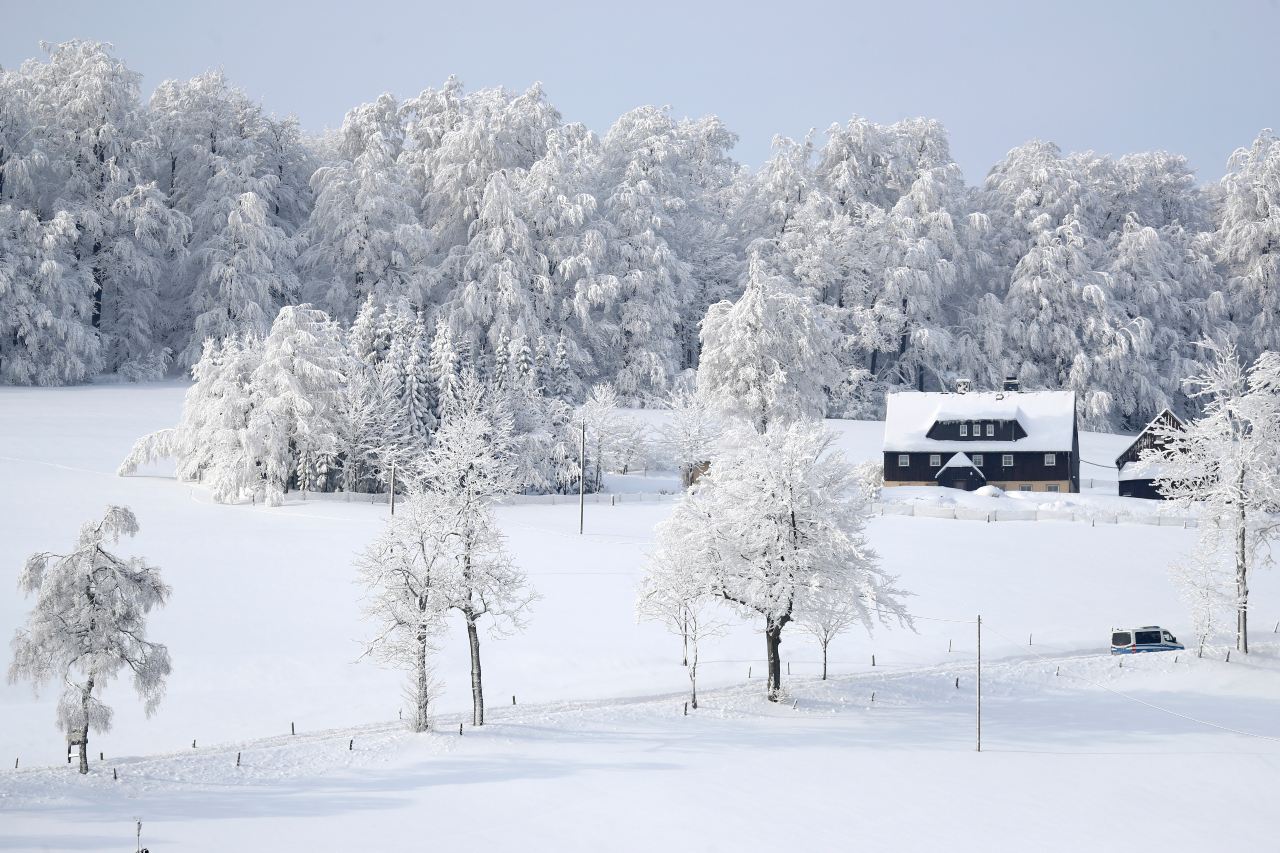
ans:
(1047, 416)
(598, 753)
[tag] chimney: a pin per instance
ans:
(962, 386)
(1010, 383)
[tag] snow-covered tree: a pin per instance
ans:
(245, 260)
(829, 617)
(295, 424)
(364, 234)
(769, 357)
(676, 593)
(775, 529)
(468, 465)
(404, 572)
(600, 414)
(1227, 464)
(88, 623)
(690, 432)
(1249, 236)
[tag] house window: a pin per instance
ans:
(1050, 459)
(977, 460)
(935, 460)
(904, 461)
(1007, 460)
(964, 430)
(1025, 487)
(991, 430)
(1052, 487)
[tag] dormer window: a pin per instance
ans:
(991, 430)
(964, 430)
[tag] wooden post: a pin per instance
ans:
(459, 729)
(686, 709)
(979, 683)
(292, 730)
(873, 696)
(788, 667)
(193, 744)
(513, 699)
(393, 488)
(957, 682)
(351, 745)
(582, 477)
(748, 676)
(113, 773)
(237, 759)
(873, 660)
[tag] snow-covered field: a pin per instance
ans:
(597, 754)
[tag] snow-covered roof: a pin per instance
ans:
(1049, 418)
(1151, 471)
(959, 460)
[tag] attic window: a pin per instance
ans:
(964, 430)
(1050, 459)
(991, 430)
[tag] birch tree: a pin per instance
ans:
(1227, 463)
(88, 623)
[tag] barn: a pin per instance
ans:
(1018, 441)
(1133, 484)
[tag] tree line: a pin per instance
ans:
(132, 233)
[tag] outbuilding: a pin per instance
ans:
(1014, 440)
(1154, 436)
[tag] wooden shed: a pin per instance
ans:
(1142, 485)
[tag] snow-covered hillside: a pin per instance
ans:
(598, 753)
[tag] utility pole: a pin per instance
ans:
(393, 488)
(979, 682)
(582, 477)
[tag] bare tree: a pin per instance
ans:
(88, 623)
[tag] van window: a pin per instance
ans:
(1147, 638)
(1120, 638)
(1169, 638)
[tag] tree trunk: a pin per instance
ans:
(772, 640)
(477, 691)
(693, 679)
(824, 661)
(420, 712)
(84, 729)
(1242, 578)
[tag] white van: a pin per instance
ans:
(1152, 638)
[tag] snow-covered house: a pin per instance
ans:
(1017, 441)
(1142, 485)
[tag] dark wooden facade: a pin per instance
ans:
(1026, 468)
(1148, 439)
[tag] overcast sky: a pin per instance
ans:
(1195, 78)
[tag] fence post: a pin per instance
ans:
(979, 683)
